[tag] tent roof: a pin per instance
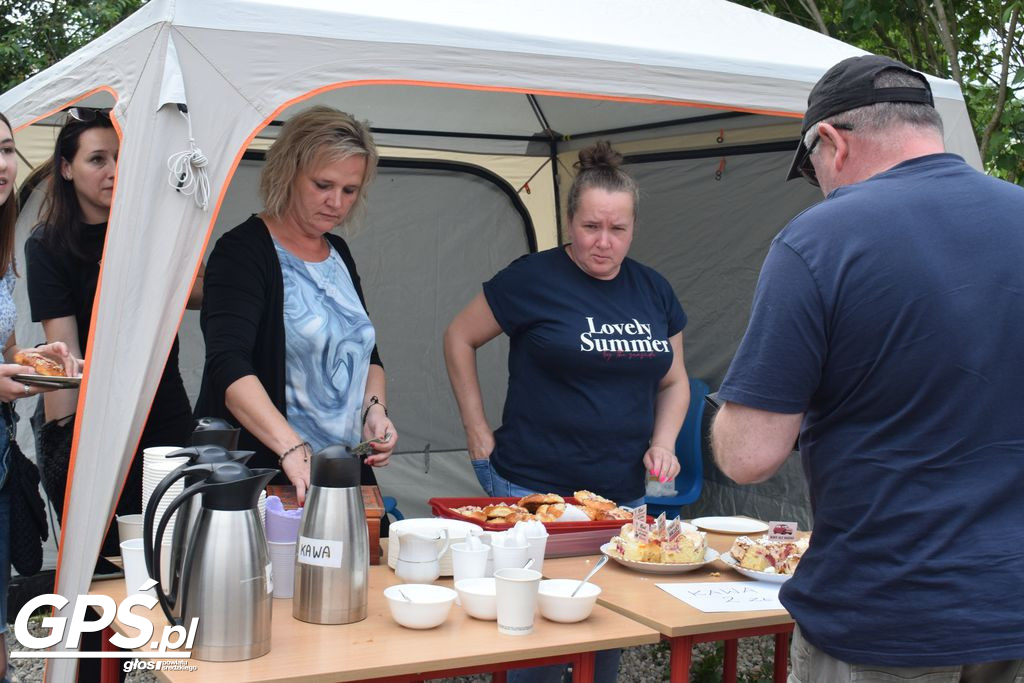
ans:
(709, 53)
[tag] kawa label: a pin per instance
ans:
(319, 552)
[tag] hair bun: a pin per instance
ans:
(600, 156)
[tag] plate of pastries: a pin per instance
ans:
(584, 506)
(765, 559)
(664, 547)
(49, 372)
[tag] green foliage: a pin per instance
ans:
(962, 41)
(38, 33)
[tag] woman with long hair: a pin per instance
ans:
(10, 388)
(63, 257)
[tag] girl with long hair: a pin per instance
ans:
(63, 257)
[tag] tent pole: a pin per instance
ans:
(553, 153)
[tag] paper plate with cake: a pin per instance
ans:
(664, 547)
(765, 559)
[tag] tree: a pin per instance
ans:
(38, 33)
(976, 44)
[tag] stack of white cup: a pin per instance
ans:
(155, 466)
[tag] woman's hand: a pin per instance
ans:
(11, 389)
(662, 463)
(295, 466)
(480, 442)
(377, 426)
(73, 367)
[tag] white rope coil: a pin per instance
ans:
(188, 171)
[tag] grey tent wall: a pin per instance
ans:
(430, 238)
(708, 236)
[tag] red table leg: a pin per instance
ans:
(729, 663)
(681, 653)
(583, 668)
(109, 668)
(781, 657)
(499, 677)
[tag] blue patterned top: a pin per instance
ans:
(8, 313)
(329, 338)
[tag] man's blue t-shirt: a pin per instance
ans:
(892, 314)
(585, 360)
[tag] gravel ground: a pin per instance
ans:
(644, 664)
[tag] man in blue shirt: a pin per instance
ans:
(886, 334)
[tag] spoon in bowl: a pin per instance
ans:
(600, 563)
(404, 596)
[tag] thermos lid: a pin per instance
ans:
(233, 486)
(209, 454)
(334, 467)
(217, 431)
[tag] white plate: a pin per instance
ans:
(730, 525)
(770, 577)
(48, 381)
(658, 567)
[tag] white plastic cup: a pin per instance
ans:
(468, 563)
(516, 592)
(134, 561)
(509, 556)
(282, 560)
(129, 526)
(535, 551)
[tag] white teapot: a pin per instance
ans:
(419, 560)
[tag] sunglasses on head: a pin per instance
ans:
(87, 114)
(805, 167)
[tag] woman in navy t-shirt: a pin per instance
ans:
(597, 388)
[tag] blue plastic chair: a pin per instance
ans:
(691, 459)
(391, 508)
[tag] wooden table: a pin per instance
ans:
(635, 595)
(378, 648)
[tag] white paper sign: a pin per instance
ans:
(319, 552)
(732, 596)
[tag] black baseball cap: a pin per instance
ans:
(851, 84)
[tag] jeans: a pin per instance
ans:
(811, 665)
(606, 662)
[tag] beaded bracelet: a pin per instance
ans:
(305, 453)
(374, 401)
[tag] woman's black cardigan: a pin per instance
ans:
(242, 319)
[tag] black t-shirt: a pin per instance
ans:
(61, 284)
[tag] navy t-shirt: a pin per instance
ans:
(585, 360)
(892, 314)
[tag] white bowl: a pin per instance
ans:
(478, 597)
(427, 607)
(556, 605)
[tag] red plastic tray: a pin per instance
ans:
(444, 507)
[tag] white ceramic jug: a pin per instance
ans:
(419, 560)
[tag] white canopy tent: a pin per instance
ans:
(687, 88)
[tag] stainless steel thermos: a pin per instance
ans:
(227, 580)
(332, 560)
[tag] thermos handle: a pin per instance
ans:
(165, 602)
(150, 515)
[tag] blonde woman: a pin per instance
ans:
(291, 353)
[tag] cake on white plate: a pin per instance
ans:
(764, 555)
(663, 542)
